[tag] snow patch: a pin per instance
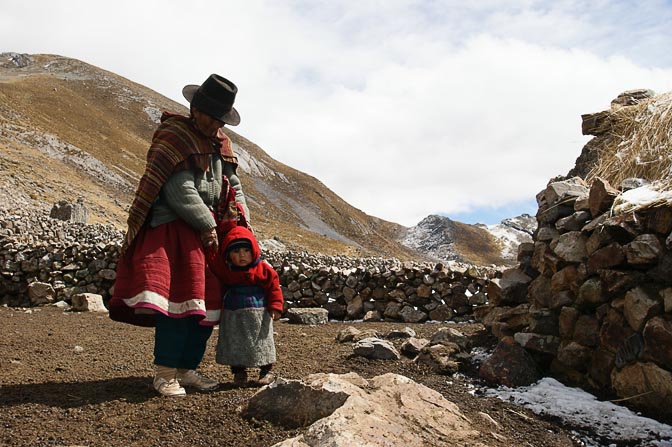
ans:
(610, 422)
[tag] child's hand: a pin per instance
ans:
(275, 314)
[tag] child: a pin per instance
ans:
(252, 301)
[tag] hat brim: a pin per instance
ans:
(232, 118)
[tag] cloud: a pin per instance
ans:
(487, 123)
(404, 108)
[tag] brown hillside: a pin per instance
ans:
(69, 130)
(477, 245)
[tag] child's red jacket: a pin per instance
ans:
(259, 273)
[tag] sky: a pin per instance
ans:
(404, 108)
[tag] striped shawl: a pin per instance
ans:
(176, 145)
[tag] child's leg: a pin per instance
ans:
(239, 375)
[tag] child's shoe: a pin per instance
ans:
(266, 378)
(191, 377)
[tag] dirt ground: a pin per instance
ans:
(80, 379)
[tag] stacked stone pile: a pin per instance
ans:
(375, 289)
(592, 297)
(45, 260)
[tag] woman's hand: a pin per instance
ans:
(275, 314)
(209, 240)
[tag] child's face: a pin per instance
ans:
(241, 257)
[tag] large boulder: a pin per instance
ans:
(387, 410)
(509, 365)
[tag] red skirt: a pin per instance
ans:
(164, 270)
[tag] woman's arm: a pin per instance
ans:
(229, 169)
(181, 195)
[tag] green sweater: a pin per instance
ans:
(190, 195)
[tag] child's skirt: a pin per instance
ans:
(245, 329)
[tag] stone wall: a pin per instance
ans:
(592, 297)
(45, 260)
(374, 289)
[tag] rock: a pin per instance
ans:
(392, 310)
(272, 245)
(612, 255)
(629, 350)
(108, 274)
(623, 228)
(570, 247)
(355, 308)
(646, 387)
(601, 197)
(591, 294)
(632, 97)
(644, 249)
(614, 331)
(599, 370)
(91, 302)
(595, 123)
(509, 365)
(543, 322)
(639, 307)
(367, 333)
(445, 336)
(566, 321)
(347, 334)
(40, 293)
(573, 222)
(574, 356)
(292, 403)
(587, 331)
(546, 344)
(406, 332)
(540, 291)
(413, 346)
(666, 294)
(75, 212)
(443, 312)
(309, 316)
(383, 411)
(409, 314)
(440, 358)
(658, 342)
(375, 349)
(372, 315)
(513, 287)
(565, 191)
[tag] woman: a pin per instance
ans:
(162, 279)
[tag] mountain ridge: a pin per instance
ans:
(69, 129)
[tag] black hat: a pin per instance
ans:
(238, 243)
(214, 97)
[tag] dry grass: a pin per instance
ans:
(640, 144)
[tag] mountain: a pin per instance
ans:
(70, 130)
(446, 239)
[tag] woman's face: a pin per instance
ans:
(206, 124)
